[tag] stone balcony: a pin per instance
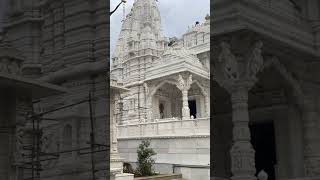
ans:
(278, 21)
(166, 128)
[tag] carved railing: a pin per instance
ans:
(166, 128)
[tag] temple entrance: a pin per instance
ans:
(167, 100)
(193, 108)
(263, 141)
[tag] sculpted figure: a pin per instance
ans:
(184, 84)
(4, 65)
(255, 62)
(229, 62)
(180, 82)
(19, 144)
(146, 88)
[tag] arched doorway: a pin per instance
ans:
(275, 125)
(196, 101)
(167, 102)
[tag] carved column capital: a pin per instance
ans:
(232, 70)
(184, 84)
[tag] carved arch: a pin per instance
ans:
(275, 63)
(160, 85)
(204, 93)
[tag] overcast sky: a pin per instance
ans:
(176, 16)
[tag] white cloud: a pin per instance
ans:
(176, 16)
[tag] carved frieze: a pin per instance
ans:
(312, 167)
(243, 161)
(19, 141)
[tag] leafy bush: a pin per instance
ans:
(145, 160)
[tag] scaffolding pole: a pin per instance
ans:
(36, 155)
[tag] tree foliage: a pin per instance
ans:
(145, 160)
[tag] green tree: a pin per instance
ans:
(145, 160)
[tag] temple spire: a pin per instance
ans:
(140, 35)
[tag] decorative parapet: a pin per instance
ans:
(166, 128)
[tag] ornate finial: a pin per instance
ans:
(207, 17)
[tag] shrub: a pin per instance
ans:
(145, 160)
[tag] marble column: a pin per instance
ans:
(207, 104)
(311, 138)
(185, 105)
(242, 152)
(148, 97)
(184, 86)
(238, 75)
(113, 129)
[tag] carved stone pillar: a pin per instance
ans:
(185, 105)
(237, 74)
(148, 97)
(242, 152)
(149, 109)
(311, 138)
(184, 86)
(113, 127)
(207, 103)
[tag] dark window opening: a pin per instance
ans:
(263, 141)
(193, 108)
(161, 109)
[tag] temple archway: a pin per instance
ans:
(275, 123)
(196, 100)
(167, 102)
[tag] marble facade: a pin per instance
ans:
(168, 100)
